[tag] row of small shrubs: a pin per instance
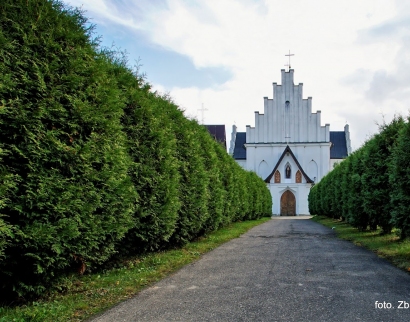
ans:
(92, 162)
(371, 187)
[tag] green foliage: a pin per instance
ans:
(193, 186)
(154, 170)
(370, 189)
(357, 217)
(7, 185)
(216, 192)
(92, 162)
(376, 185)
(400, 182)
(63, 145)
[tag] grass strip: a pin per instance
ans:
(93, 293)
(388, 246)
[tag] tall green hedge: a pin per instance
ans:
(7, 185)
(63, 143)
(370, 188)
(93, 162)
(399, 181)
(154, 172)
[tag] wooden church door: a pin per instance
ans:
(288, 204)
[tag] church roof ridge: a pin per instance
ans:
(288, 150)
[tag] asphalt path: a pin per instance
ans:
(283, 270)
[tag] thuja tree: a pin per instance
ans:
(323, 206)
(7, 187)
(376, 187)
(151, 143)
(312, 200)
(264, 198)
(337, 191)
(193, 185)
(62, 140)
(357, 216)
(345, 186)
(229, 202)
(216, 191)
(267, 201)
(400, 182)
(327, 201)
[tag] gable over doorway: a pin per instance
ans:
(288, 204)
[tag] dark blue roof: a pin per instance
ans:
(218, 133)
(338, 150)
(239, 152)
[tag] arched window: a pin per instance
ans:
(298, 177)
(312, 171)
(263, 169)
(277, 176)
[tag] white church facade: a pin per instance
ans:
(288, 147)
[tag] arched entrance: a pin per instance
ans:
(288, 204)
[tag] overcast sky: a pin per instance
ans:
(352, 56)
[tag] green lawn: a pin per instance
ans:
(89, 294)
(388, 246)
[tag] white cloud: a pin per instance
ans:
(342, 55)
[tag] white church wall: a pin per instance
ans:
(242, 163)
(333, 162)
(287, 120)
(304, 153)
(288, 117)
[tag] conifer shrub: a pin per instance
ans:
(216, 190)
(265, 200)
(193, 185)
(244, 195)
(154, 172)
(312, 200)
(230, 195)
(370, 188)
(399, 178)
(63, 144)
(92, 162)
(323, 205)
(357, 217)
(327, 200)
(376, 186)
(336, 197)
(7, 187)
(344, 186)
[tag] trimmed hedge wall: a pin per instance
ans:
(92, 162)
(371, 187)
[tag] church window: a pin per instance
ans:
(277, 176)
(288, 171)
(298, 177)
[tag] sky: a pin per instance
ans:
(352, 56)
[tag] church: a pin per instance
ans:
(288, 147)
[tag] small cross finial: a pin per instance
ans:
(202, 112)
(289, 59)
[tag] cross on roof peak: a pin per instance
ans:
(203, 109)
(288, 64)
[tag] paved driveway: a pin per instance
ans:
(283, 270)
